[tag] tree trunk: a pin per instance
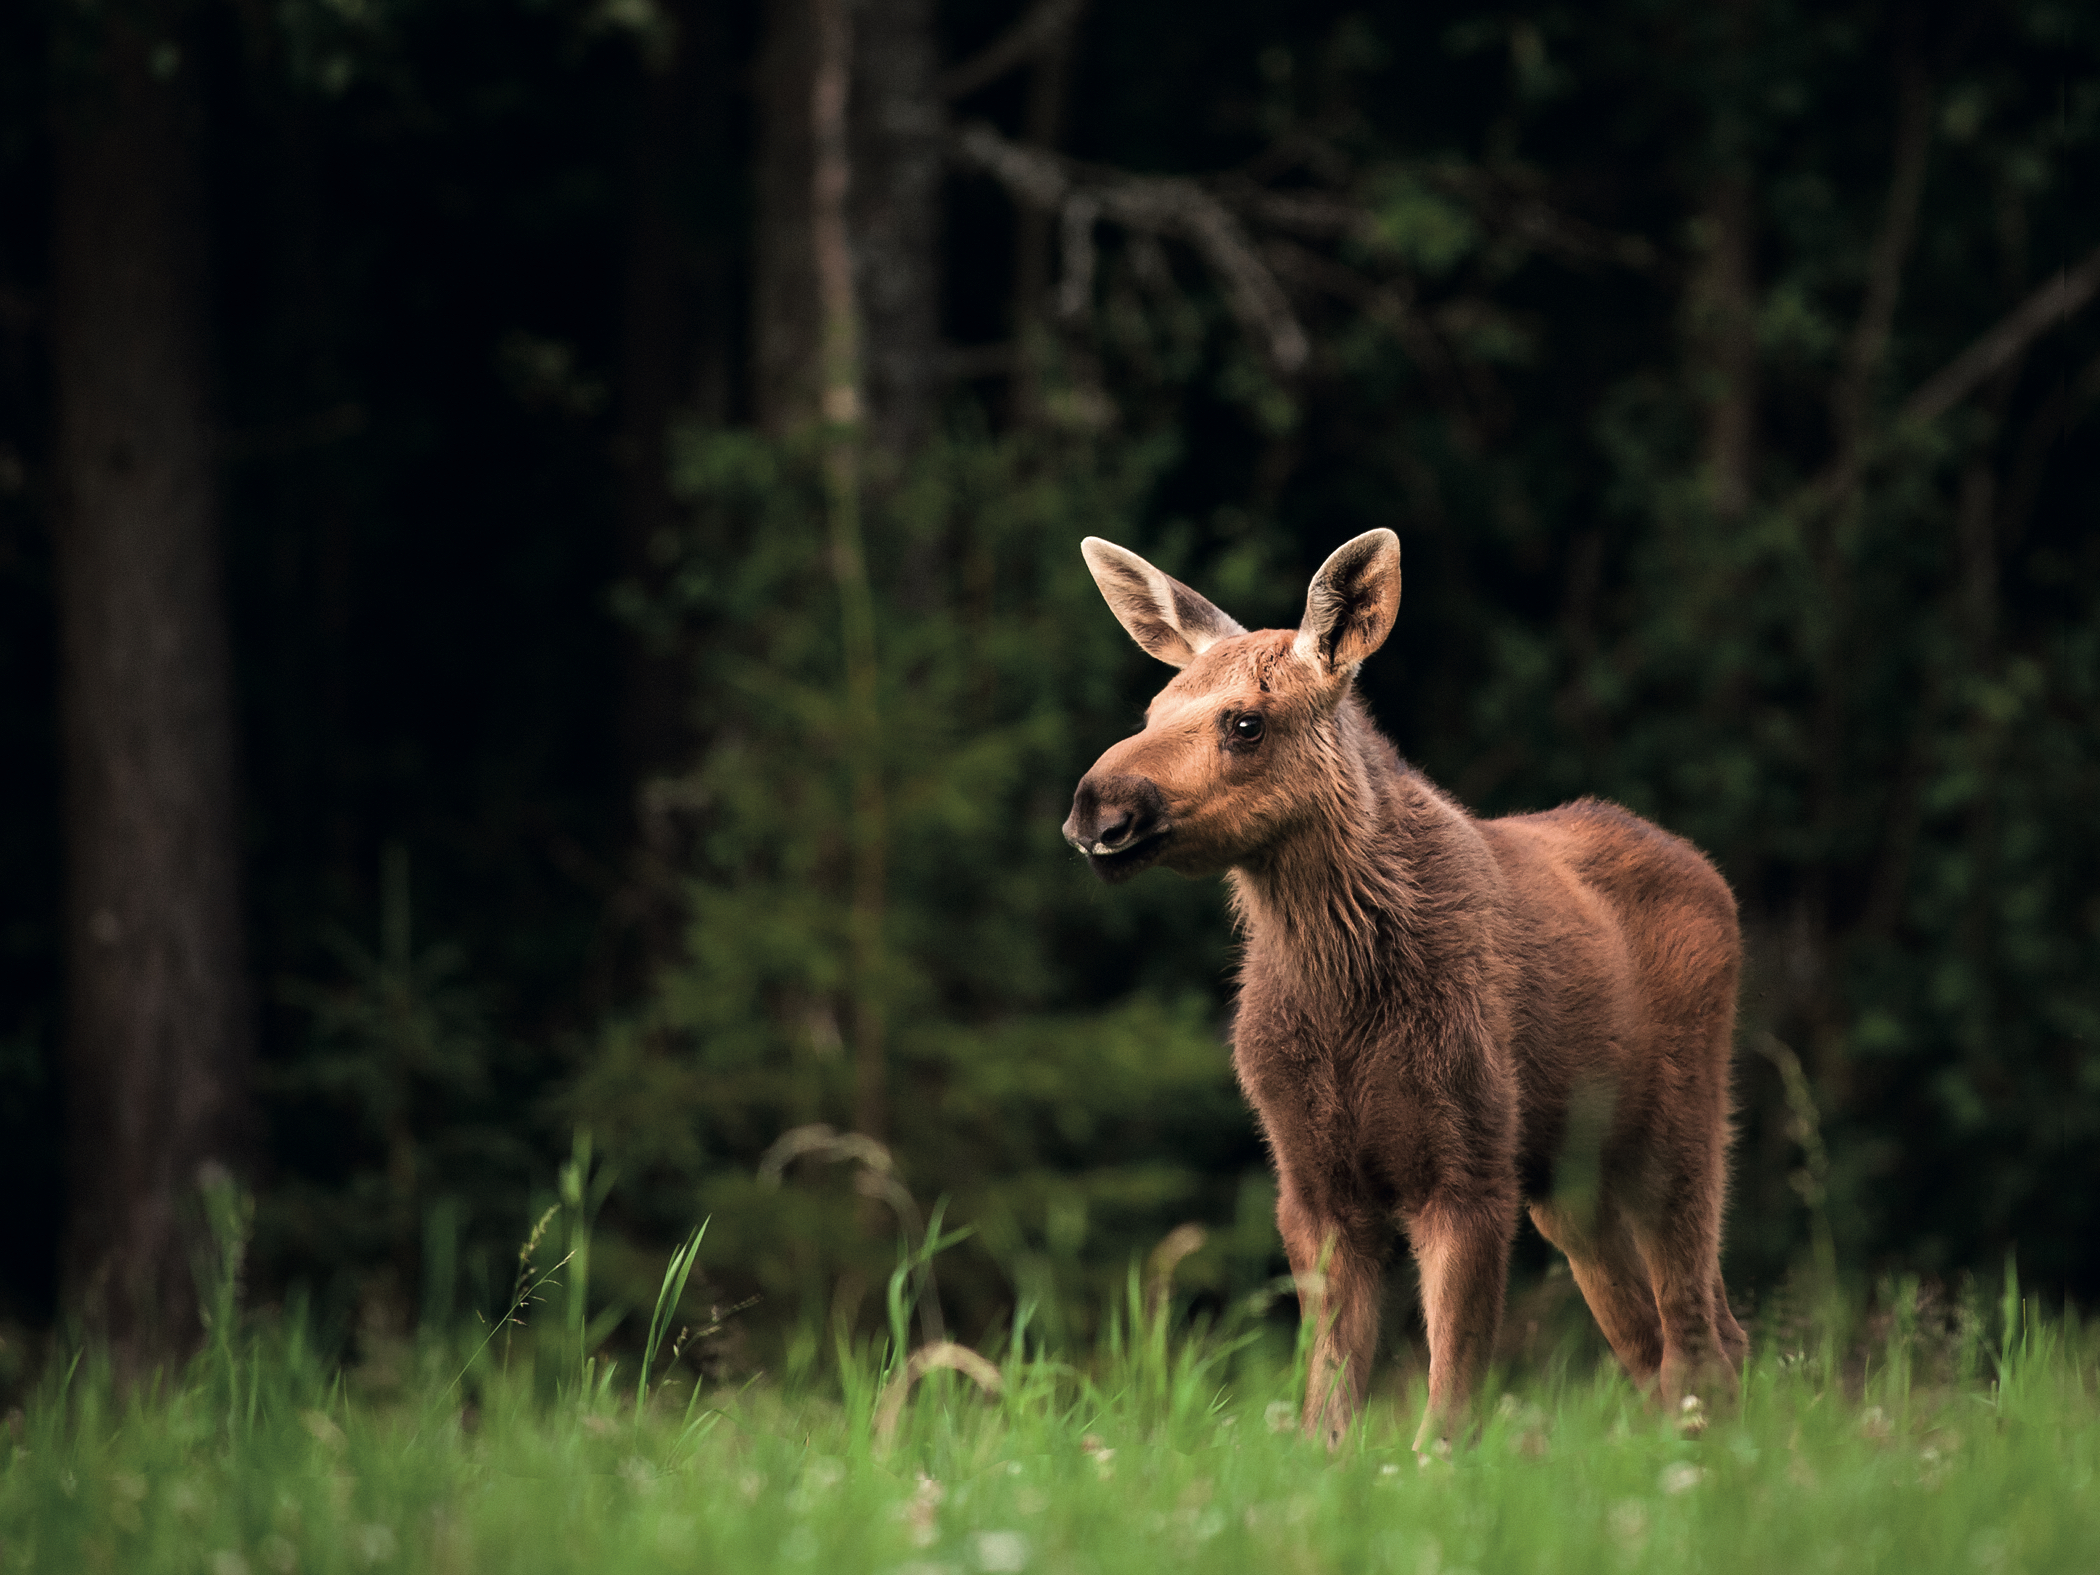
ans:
(158, 1026)
(786, 320)
(1724, 307)
(654, 379)
(831, 188)
(1722, 297)
(894, 121)
(1032, 235)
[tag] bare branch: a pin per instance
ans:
(2050, 306)
(1158, 205)
(1038, 29)
(1075, 289)
(1303, 212)
(1511, 207)
(1392, 306)
(1030, 175)
(1849, 400)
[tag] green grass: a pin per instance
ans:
(1161, 1450)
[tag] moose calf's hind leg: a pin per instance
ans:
(1682, 1260)
(1617, 1292)
(1463, 1254)
(1735, 1345)
(1613, 1280)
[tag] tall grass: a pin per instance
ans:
(1962, 1438)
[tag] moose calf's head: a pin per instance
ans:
(1241, 746)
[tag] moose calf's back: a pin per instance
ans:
(1440, 1018)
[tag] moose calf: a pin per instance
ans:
(1439, 1017)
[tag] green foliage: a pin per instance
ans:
(1424, 228)
(393, 1082)
(1017, 1084)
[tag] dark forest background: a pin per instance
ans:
(541, 622)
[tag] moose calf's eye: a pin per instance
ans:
(1248, 728)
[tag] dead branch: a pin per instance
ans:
(1310, 213)
(1392, 306)
(1157, 205)
(1512, 210)
(2050, 306)
(1037, 31)
(1850, 398)
(889, 1410)
(1075, 288)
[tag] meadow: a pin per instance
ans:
(1959, 1435)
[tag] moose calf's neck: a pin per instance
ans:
(1372, 902)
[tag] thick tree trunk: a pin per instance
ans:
(894, 120)
(158, 1029)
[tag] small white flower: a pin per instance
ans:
(1280, 1416)
(824, 1473)
(373, 1543)
(1680, 1478)
(1628, 1521)
(1000, 1552)
(922, 1512)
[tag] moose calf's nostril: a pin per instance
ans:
(1114, 814)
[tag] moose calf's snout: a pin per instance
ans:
(1112, 813)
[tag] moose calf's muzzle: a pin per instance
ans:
(1119, 822)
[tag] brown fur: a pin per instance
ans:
(1441, 1020)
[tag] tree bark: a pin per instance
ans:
(786, 322)
(1724, 308)
(654, 360)
(831, 190)
(157, 1048)
(1032, 233)
(895, 122)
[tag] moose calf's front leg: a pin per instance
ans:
(1338, 1268)
(1462, 1250)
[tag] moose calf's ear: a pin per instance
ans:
(1164, 616)
(1352, 602)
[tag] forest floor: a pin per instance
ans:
(1164, 1450)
